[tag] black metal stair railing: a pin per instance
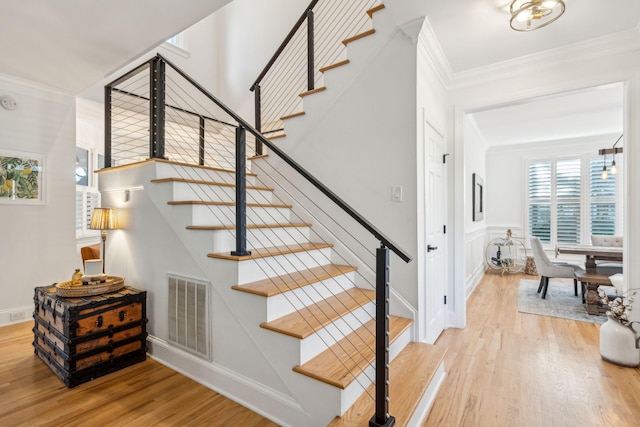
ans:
(315, 41)
(157, 91)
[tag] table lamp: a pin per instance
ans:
(104, 219)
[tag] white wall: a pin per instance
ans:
(37, 242)
(475, 231)
(365, 143)
(249, 32)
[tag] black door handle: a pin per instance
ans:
(431, 248)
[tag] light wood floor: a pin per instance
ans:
(145, 394)
(514, 369)
(504, 369)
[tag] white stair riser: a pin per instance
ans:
(288, 302)
(226, 215)
(225, 240)
(191, 191)
(330, 334)
(168, 170)
(257, 269)
(367, 377)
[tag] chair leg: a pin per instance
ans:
(575, 287)
(541, 283)
(584, 289)
(546, 286)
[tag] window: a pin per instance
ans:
(603, 200)
(568, 201)
(87, 194)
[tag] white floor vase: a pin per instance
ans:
(618, 344)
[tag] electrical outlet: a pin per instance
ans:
(17, 315)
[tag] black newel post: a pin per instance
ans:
(382, 417)
(310, 51)
(201, 143)
(241, 193)
(107, 126)
(258, 114)
(156, 106)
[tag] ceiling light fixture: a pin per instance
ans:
(527, 15)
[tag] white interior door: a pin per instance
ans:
(435, 213)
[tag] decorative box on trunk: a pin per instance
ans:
(84, 338)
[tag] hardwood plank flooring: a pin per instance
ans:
(515, 369)
(145, 394)
(504, 369)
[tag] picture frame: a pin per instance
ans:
(22, 178)
(478, 197)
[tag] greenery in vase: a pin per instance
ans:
(619, 307)
(19, 178)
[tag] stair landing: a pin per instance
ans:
(410, 374)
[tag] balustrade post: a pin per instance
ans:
(241, 193)
(156, 106)
(258, 116)
(310, 51)
(107, 126)
(382, 418)
(201, 142)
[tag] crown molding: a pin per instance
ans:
(610, 45)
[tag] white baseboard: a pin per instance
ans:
(474, 280)
(19, 315)
(429, 396)
(277, 407)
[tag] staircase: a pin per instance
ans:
(300, 301)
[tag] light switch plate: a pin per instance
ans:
(396, 193)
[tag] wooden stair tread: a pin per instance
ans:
(259, 156)
(358, 36)
(277, 285)
(311, 92)
(345, 360)
(172, 162)
(304, 322)
(249, 226)
(282, 135)
(410, 374)
(272, 251)
(375, 9)
(335, 65)
(204, 182)
(218, 203)
(291, 116)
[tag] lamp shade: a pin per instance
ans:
(527, 15)
(104, 219)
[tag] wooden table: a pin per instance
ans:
(593, 253)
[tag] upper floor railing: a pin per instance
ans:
(314, 42)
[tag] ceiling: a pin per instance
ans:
(72, 44)
(476, 33)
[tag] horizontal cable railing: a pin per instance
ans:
(314, 42)
(198, 129)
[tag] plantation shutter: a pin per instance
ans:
(568, 190)
(603, 200)
(540, 200)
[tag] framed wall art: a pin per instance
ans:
(21, 177)
(478, 197)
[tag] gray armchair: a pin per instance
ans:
(548, 269)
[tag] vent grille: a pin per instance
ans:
(189, 315)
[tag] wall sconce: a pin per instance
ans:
(613, 151)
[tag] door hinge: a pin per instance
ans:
(444, 158)
(444, 229)
(445, 300)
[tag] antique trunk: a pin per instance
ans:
(84, 338)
